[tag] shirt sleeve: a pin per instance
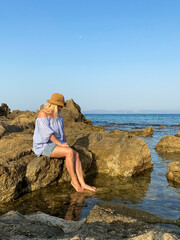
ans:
(44, 129)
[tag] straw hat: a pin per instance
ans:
(57, 99)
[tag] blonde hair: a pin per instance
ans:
(50, 108)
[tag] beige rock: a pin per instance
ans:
(25, 121)
(13, 160)
(72, 113)
(42, 171)
(169, 144)
(173, 172)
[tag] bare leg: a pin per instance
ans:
(67, 152)
(79, 172)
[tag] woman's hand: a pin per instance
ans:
(64, 144)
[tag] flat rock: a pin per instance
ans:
(147, 132)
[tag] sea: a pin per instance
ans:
(149, 191)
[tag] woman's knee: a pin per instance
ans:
(70, 152)
(76, 154)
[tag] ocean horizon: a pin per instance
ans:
(130, 111)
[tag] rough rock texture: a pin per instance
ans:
(173, 172)
(147, 132)
(42, 171)
(110, 221)
(169, 144)
(72, 113)
(118, 155)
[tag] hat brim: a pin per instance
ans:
(56, 103)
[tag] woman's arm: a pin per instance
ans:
(56, 141)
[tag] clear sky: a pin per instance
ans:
(105, 54)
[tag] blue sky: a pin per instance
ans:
(105, 54)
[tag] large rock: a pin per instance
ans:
(11, 178)
(42, 171)
(169, 144)
(173, 173)
(15, 154)
(118, 155)
(25, 121)
(72, 113)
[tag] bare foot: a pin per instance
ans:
(77, 187)
(91, 188)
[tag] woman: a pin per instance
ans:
(49, 140)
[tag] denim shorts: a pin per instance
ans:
(48, 150)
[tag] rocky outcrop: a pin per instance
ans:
(21, 171)
(173, 173)
(72, 113)
(108, 221)
(147, 132)
(169, 144)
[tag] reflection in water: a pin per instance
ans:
(60, 201)
(133, 189)
(169, 157)
(174, 184)
(76, 202)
